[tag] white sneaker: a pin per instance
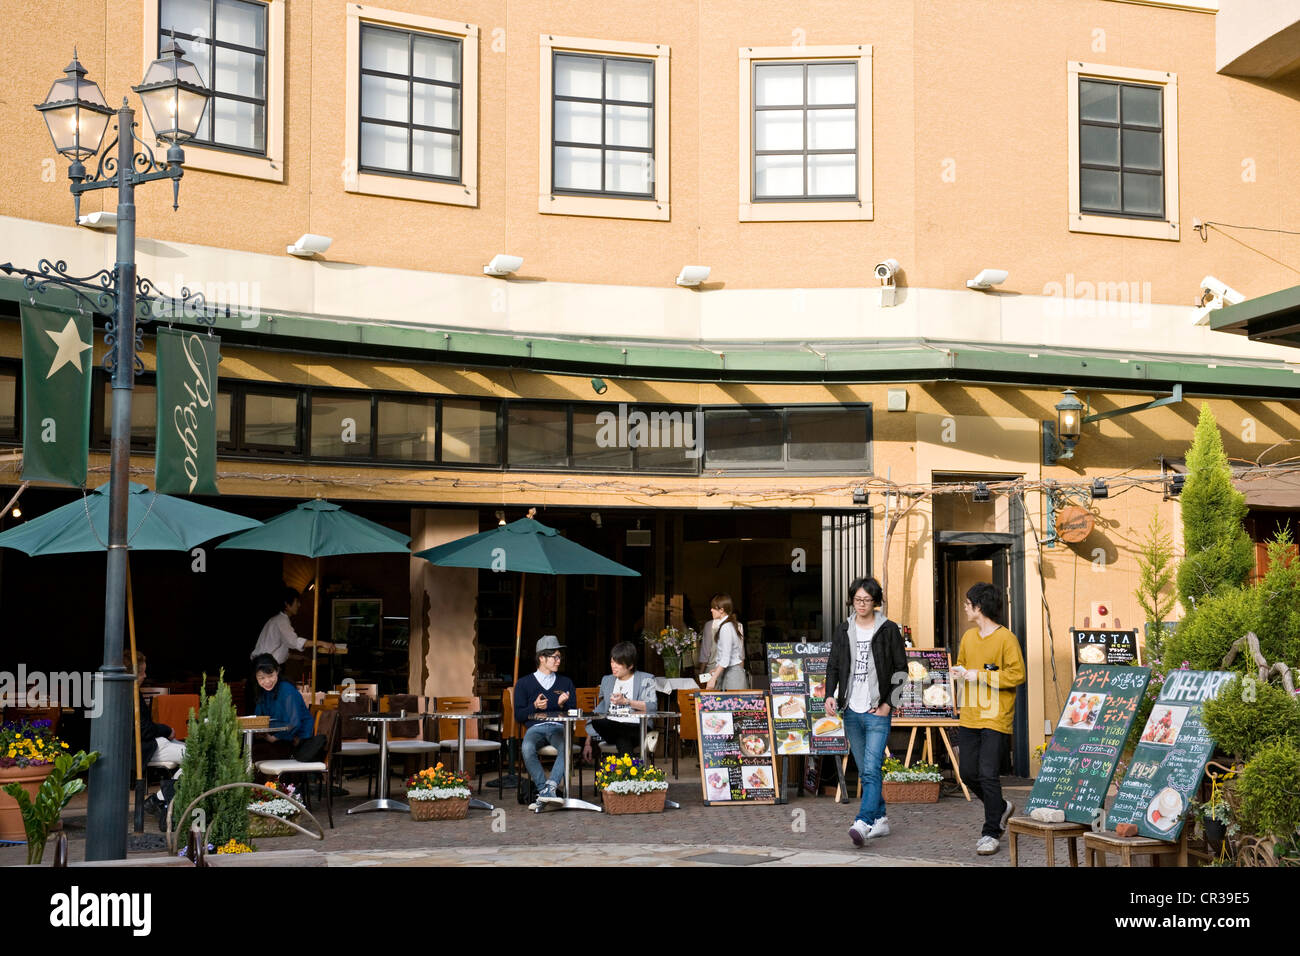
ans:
(548, 795)
(1007, 812)
(859, 832)
(987, 846)
(879, 828)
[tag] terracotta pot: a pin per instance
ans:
(11, 818)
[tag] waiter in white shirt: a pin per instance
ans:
(278, 637)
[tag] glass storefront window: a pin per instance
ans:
(598, 442)
(743, 436)
(144, 413)
(469, 432)
(340, 427)
(408, 430)
(537, 436)
(826, 435)
(271, 421)
(224, 405)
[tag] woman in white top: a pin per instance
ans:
(728, 667)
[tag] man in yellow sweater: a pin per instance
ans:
(989, 667)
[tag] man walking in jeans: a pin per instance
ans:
(990, 667)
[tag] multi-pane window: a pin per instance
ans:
(603, 128)
(340, 426)
(795, 438)
(805, 131)
(469, 432)
(226, 41)
(1121, 149)
(410, 103)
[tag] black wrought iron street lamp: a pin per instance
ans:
(77, 116)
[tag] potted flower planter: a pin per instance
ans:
(629, 786)
(918, 783)
(446, 808)
(437, 793)
(30, 779)
(651, 801)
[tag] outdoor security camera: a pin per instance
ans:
(885, 270)
(502, 265)
(693, 275)
(309, 245)
(987, 278)
(1211, 286)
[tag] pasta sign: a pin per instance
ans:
(186, 460)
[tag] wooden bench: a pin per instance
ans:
(1097, 845)
(1049, 832)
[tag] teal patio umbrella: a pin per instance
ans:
(154, 522)
(318, 529)
(527, 546)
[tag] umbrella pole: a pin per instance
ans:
(315, 629)
(135, 705)
(519, 626)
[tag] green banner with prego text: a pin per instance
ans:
(186, 462)
(57, 350)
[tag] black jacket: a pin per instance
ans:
(890, 656)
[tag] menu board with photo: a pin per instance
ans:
(1104, 647)
(927, 694)
(797, 674)
(1080, 759)
(737, 759)
(1170, 757)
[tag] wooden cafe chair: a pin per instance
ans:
(448, 740)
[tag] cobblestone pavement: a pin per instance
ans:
(807, 830)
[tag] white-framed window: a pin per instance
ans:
(238, 48)
(412, 107)
(805, 133)
(1123, 151)
(604, 129)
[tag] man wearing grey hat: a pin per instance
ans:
(544, 692)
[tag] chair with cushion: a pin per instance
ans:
(327, 723)
(174, 711)
(409, 738)
(687, 727)
(449, 741)
(355, 742)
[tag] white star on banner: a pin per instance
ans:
(70, 347)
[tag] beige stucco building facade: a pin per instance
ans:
(945, 138)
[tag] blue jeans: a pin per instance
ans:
(539, 735)
(867, 734)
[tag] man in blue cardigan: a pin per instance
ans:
(544, 692)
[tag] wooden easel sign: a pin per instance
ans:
(737, 756)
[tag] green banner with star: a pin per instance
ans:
(57, 357)
(186, 461)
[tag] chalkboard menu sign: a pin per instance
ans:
(1104, 647)
(927, 694)
(797, 675)
(737, 759)
(1170, 757)
(1080, 759)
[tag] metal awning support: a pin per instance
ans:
(1173, 399)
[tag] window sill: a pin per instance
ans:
(268, 168)
(805, 211)
(1130, 228)
(602, 208)
(394, 187)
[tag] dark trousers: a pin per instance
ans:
(626, 738)
(981, 758)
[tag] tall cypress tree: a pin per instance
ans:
(1219, 554)
(213, 756)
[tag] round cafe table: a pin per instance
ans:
(383, 802)
(568, 719)
(474, 802)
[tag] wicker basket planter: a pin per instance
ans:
(260, 826)
(453, 808)
(893, 791)
(650, 802)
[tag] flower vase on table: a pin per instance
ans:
(437, 793)
(627, 785)
(671, 644)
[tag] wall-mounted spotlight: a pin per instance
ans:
(987, 279)
(309, 245)
(692, 276)
(859, 495)
(503, 265)
(17, 512)
(1099, 489)
(598, 386)
(595, 516)
(981, 492)
(1175, 487)
(501, 517)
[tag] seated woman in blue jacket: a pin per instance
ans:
(623, 686)
(284, 705)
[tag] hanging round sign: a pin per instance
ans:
(1073, 524)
